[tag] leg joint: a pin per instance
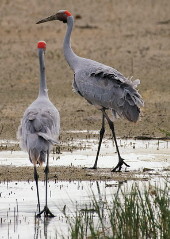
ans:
(102, 131)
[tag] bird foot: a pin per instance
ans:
(46, 211)
(119, 165)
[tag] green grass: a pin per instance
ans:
(166, 132)
(133, 215)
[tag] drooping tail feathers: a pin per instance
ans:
(129, 104)
(37, 146)
(36, 156)
(47, 137)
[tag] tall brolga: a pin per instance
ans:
(100, 85)
(39, 129)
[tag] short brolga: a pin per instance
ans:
(39, 129)
(101, 85)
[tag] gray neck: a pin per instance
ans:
(70, 56)
(43, 86)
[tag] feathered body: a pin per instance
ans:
(39, 129)
(107, 88)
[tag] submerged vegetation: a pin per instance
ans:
(140, 213)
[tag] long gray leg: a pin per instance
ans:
(46, 178)
(47, 212)
(36, 181)
(102, 131)
(121, 160)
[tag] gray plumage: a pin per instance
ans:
(100, 85)
(105, 87)
(39, 129)
(40, 125)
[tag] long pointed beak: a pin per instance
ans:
(51, 18)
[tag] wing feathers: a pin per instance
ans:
(47, 138)
(37, 125)
(105, 87)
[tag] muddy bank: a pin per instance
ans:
(8, 173)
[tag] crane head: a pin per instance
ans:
(41, 44)
(61, 15)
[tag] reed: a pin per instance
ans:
(140, 213)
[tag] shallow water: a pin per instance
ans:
(18, 205)
(154, 154)
(18, 199)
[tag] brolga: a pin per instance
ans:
(39, 129)
(101, 85)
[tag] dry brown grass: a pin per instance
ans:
(123, 34)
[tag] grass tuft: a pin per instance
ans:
(133, 215)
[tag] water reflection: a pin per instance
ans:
(18, 206)
(41, 227)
